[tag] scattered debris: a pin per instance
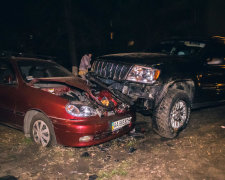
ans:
(137, 132)
(139, 129)
(85, 154)
(104, 147)
(108, 157)
(137, 135)
(101, 149)
(132, 149)
(93, 177)
(73, 172)
(168, 144)
(120, 140)
(8, 178)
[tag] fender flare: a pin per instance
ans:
(187, 85)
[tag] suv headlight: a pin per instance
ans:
(80, 110)
(143, 74)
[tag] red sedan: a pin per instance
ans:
(52, 106)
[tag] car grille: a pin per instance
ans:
(110, 70)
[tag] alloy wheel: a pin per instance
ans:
(178, 114)
(41, 133)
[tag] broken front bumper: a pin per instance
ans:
(98, 130)
(146, 97)
(143, 96)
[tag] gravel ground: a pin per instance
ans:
(197, 153)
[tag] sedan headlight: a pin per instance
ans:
(143, 74)
(80, 110)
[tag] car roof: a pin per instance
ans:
(218, 39)
(15, 58)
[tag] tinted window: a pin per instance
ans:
(216, 50)
(180, 48)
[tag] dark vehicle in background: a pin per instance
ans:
(52, 106)
(176, 76)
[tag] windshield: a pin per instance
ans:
(180, 48)
(31, 69)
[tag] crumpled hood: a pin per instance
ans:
(71, 81)
(78, 83)
(145, 59)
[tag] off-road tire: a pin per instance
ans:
(162, 115)
(41, 119)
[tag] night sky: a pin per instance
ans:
(103, 26)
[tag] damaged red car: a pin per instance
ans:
(52, 106)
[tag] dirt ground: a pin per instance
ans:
(197, 153)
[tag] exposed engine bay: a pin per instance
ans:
(98, 98)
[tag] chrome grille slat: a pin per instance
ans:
(121, 72)
(97, 70)
(118, 72)
(125, 71)
(101, 68)
(113, 71)
(114, 77)
(110, 70)
(105, 69)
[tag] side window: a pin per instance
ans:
(216, 55)
(7, 76)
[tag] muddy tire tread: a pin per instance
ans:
(161, 115)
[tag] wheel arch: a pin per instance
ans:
(186, 85)
(28, 118)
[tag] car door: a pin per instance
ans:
(212, 79)
(8, 89)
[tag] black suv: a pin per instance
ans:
(175, 77)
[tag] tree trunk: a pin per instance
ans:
(71, 37)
